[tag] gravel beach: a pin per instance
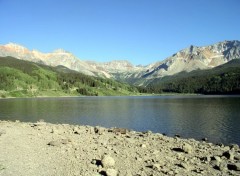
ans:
(44, 149)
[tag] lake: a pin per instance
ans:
(214, 117)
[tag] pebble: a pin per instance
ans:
(55, 143)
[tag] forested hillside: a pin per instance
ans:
(224, 79)
(20, 78)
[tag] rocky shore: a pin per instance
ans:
(29, 149)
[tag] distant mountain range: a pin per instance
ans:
(189, 59)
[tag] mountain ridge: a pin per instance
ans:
(20, 78)
(187, 59)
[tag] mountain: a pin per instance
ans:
(67, 59)
(57, 57)
(189, 59)
(194, 58)
(223, 79)
(21, 78)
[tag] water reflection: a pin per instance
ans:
(214, 117)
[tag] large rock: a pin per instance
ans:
(111, 172)
(107, 161)
(99, 130)
(187, 148)
(234, 166)
(228, 154)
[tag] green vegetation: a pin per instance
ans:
(224, 79)
(20, 78)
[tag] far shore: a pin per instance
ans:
(138, 95)
(41, 148)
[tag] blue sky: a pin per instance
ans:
(141, 31)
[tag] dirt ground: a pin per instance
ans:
(44, 149)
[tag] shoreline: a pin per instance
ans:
(142, 95)
(61, 149)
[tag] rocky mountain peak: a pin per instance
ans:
(190, 50)
(16, 47)
(61, 51)
(123, 63)
(221, 47)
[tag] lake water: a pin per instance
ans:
(214, 117)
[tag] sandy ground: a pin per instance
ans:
(43, 149)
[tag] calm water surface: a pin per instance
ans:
(214, 117)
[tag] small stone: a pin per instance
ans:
(215, 164)
(156, 167)
(220, 144)
(111, 172)
(90, 129)
(217, 158)
(187, 148)
(223, 166)
(94, 162)
(204, 139)
(99, 130)
(226, 148)
(138, 158)
(177, 135)
(119, 130)
(237, 157)
(54, 143)
(76, 130)
(107, 161)
(185, 166)
(234, 146)
(207, 158)
(143, 145)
